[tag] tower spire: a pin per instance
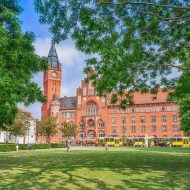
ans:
(52, 56)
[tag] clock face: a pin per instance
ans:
(54, 75)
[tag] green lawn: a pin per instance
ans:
(127, 168)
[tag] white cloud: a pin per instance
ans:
(35, 109)
(69, 88)
(42, 46)
(67, 53)
(72, 62)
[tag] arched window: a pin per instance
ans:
(91, 123)
(81, 135)
(91, 109)
(100, 124)
(101, 134)
(91, 134)
(82, 123)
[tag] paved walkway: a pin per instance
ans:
(94, 148)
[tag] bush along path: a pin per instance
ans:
(12, 147)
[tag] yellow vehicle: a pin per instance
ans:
(180, 141)
(176, 141)
(118, 142)
(100, 141)
(186, 141)
(151, 142)
(110, 141)
(139, 141)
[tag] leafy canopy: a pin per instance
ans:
(47, 127)
(135, 45)
(18, 64)
(68, 129)
(138, 45)
(21, 124)
(182, 96)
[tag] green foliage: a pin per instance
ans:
(69, 129)
(12, 147)
(23, 146)
(58, 145)
(7, 147)
(21, 124)
(48, 146)
(131, 168)
(134, 45)
(184, 113)
(18, 64)
(47, 127)
(41, 146)
(181, 95)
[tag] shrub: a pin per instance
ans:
(23, 146)
(7, 147)
(41, 146)
(12, 147)
(56, 145)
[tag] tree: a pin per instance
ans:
(18, 64)
(21, 124)
(47, 127)
(135, 45)
(68, 129)
(182, 96)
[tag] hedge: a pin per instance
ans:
(12, 147)
(7, 147)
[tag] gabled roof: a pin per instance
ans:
(68, 102)
(146, 98)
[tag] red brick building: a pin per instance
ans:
(96, 117)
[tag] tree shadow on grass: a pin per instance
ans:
(94, 170)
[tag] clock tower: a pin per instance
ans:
(51, 81)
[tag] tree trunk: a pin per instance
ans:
(48, 140)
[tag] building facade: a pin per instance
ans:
(97, 117)
(28, 138)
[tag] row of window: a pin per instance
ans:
(143, 119)
(91, 134)
(67, 115)
(91, 123)
(148, 109)
(143, 129)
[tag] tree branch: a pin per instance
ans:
(182, 68)
(164, 18)
(149, 4)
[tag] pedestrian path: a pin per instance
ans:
(94, 148)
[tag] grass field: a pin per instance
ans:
(129, 168)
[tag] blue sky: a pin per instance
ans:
(71, 59)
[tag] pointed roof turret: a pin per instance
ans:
(55, 97)
(52, 57)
